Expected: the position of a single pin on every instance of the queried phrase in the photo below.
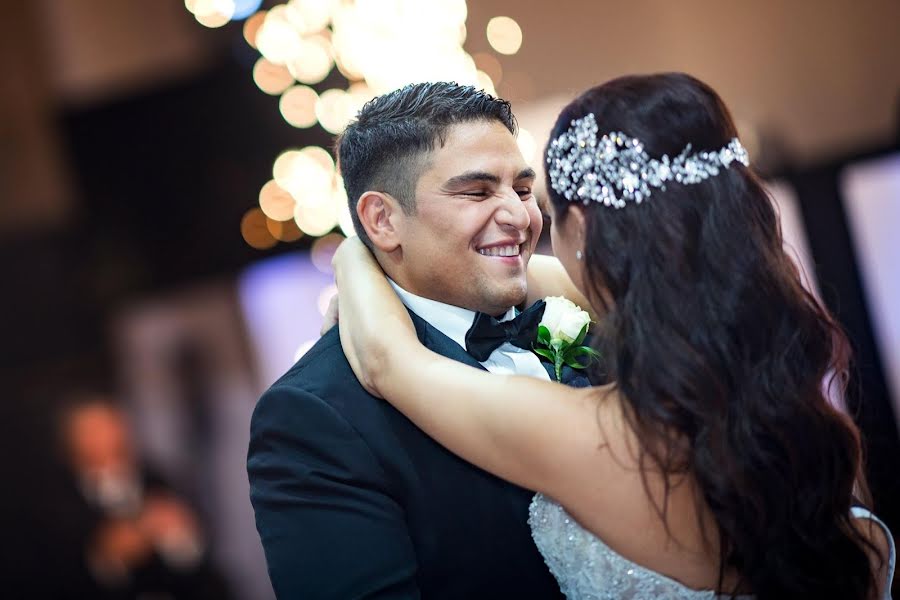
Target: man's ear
(380, 215)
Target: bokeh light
(255, 231)
(504, 35)
(307, 174)
(271, 78)
(276, 202)
(334, 109)
(316, 220)
(284, 231)
(313, 62)
(369, 42)
(345, 220)
(277, 39)
(211, 13)
(245, 8)
(251, 27)
(298, 106)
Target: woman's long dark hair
(721, 354)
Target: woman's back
(612, 541)
(623, 507)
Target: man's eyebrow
(526, 174)
(484, 177)
(471, 177)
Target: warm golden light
(271, 78)
(251, 27)
(277, 39)
(254, 230)
(276, 202)
(334, 110)
(211, 13)
(485, 83)
(298, 106)
(379, 46)
(339, 196)
(504, 35)
(316, 220)
(314, 61)
(311, 16)
(284, 231)
(308, 175)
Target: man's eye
(524, 192)
(475, 194)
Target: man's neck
(453, 321)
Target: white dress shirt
(454, 322)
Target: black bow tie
(487, 333)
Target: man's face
(476, 222)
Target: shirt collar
(452, 321)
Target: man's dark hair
(386, 147)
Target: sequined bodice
(588, 569)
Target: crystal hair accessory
(614, 169)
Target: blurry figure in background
(141, 537)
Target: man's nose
(512, 212)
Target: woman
(713, 463)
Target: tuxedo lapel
(436, 341)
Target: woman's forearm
(373, 317)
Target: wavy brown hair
(720, 352)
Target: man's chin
(512, 296)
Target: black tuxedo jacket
(354, 501)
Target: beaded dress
(588, 569)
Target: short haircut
(386, 148)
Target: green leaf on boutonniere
(545, 353)
(554, 342)
(573, 362)
(581, 335)
(585, 350)
(544, 335)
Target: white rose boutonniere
(560, 334)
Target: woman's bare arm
(537, 434)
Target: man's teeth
(500, 251)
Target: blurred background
(169, 203)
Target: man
(351, 499)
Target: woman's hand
(375, 328)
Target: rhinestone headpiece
(615, 169)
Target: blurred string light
(377, 46)
(504, 35)
(215, 13)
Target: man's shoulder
(322, 371)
